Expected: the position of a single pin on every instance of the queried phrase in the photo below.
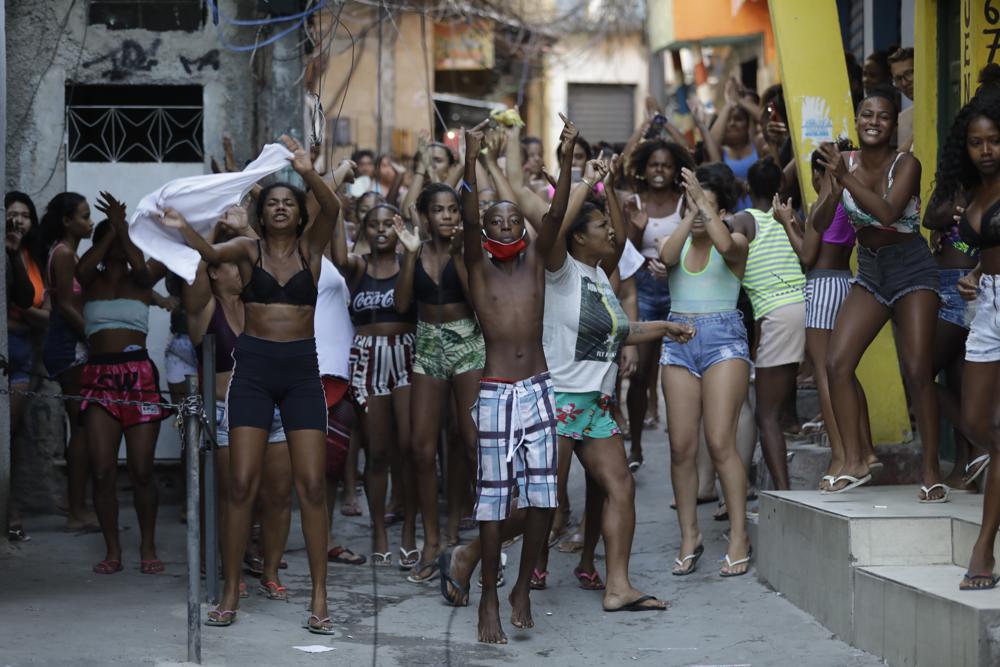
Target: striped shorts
(516, 423)
(826, 290)
(379, 364)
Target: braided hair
(955, 171)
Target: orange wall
(707, 19)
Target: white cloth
(334, 331)
(584, 328)
(202, 200)
(630, 261)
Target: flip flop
(407, 559)
(382, 559)
(589, 582)
(973, 475)
(244, 591)
(500, 575)
(223, 618)
(444, 566)
(854, 482)
(572, 545)
(731, 563)
(876, 467)
(974, 581)
(320, 627)
(926, 490)
(274, 591)
(693, 557)
(829, 482)
(108, 567)
(633, 466)
(537, 581)
(337, 555)
(415, 571)
(636, 605)
(152, 566)
(350, 509)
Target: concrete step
(916, 615)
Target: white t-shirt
(334, 331)
(630, 261)
(584, 328)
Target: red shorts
(339, 421)
(126, 376)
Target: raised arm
(145, 275)
(317, 232)
(86, 268)
(404, 283)
(615, 211)
(472, 225)
(671, 247)
(785, 214)
(594, 171)
(553, 220)
(887, 209)
(712, 147)
(233, 250)
(732, 247)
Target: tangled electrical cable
(299, 20)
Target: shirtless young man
(515, 414)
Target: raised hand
(409, 239)
(783, 212)
(611, 177)
(111, 207)
(568, 135)
(474, 140)
(637, 216)
(172, 219)
(832, 160)
(350, 174)
(301, 162)
(236, 219)
(456, 245)
(695, 194)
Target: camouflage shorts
(449, 348)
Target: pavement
(55, 611)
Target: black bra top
(429, 292)
(989, 229)
(299, 290)
(374, 301)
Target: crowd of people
(474, 311)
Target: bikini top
(909, 221)
(429, 292)
(988, 235)
(225, 340)
(263, 287)
(374, 301)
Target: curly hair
(718, 178)
(955, 171)
(642, 153)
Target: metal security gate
(603, 112)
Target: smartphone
(638, 201)
(656, 125)
(576, 175)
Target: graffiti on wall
(127, 59)
(192, 65)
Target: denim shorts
(653, 294)
(275, 434)
(983, 344)
(893, 271)
(954, 308)
(717, 337)
(19, 358)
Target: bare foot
(87, 521)
(520, 613)
(490, 631)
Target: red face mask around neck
(505, 252)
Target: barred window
(158, 15)
(134, 123)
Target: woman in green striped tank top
(707, 377)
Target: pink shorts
(126, 376)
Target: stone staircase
(882, 571)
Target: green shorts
(585, 415)
(449, 348)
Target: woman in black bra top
(381, 362)
(970, 162)
(449, 360)
(276, 364)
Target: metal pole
(5, 439)
(192, 443)
(211, 513)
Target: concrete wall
(579, 59)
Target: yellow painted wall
(817, 96)
(980, 26)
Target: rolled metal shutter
(602, 112)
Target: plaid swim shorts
(516, 422)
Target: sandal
(978, 582)
(500, 575)
(351, 509)
(273, 590)
(108, 567)
(589, 582)
(345, 556)
(537, 580)
(975, 469)
(244, 591)
(927, 490)
(694, 557)
(255, 565)
(407, 559)
(152, 566)
(730, 564)
(431, 568)
(828, 480)
(852, 483)
(382, 559)
(572, 545)
(221, 618)
(638, 605)
(461, 596)
(319, 626)
(17, 535)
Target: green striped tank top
(773, 277)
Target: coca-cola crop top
(374, 301)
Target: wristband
(464, 185)
(590, 186)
